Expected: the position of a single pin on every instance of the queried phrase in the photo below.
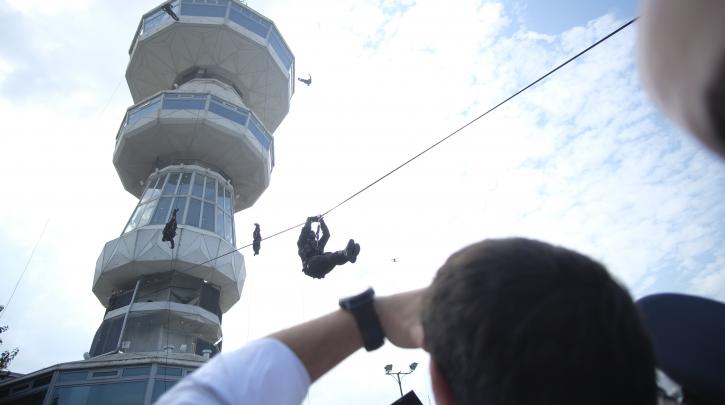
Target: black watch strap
(362, 308)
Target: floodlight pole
(398, 378)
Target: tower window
(202, 201)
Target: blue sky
(555, 16)
(583, 160)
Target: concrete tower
(211, 81)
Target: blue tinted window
(171, 183)
(210, 190)
(134, 218)
(192, 217)
(220, 195)
(227, 200)
(200, 200)
(207, 217)
(145, 110)
(204, 10)
(198, 188)
(136, 371)
(228, 112)
(185, 184)
(228, 234)
(110, 373)
(152, 22)
(249, 20)
(256, 128)
(163, 211)
(154, 189)
(161, 386)
(280, 48)
(179, 204)
(184, 102)
(132, 392)
(170, 371)
(146, 216)
(219, 222)
(72, 376)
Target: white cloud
(710, 282)
(48, 8)
(5, 69)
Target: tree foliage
(8, 355)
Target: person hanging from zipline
(257, 242)
(315, 261)
(169, 232)
(307, 81)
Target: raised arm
(325, 230)
(305, 230)
(323, 343)
(275, 370)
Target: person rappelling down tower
(169, 232)
(256, 239)
(316, 263)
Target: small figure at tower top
(307, 81)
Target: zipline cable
(113, 94)
(625, 25)
(509, 98)
(243, 247)
(27, 264)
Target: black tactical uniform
(316, 263)
(257, 242)
(169, 232)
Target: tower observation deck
(211, 81)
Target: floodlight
(388, 368)
(413, 366)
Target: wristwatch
(362, 309)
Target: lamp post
(398, 375)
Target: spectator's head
(682, 61)
(522, 322)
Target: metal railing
(168, 100)
(229, 11)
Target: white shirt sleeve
(265, 371)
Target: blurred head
(517, 321)
(682, 63)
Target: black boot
(352, 250)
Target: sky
(583, 160)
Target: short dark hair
(522, 322)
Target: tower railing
(228, 10)
(170, 100)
